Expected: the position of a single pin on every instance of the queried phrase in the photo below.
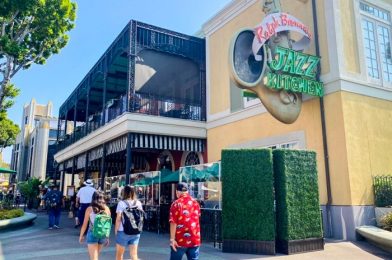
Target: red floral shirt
(185, 212)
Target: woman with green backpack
(98, 214)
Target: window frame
(376, 21)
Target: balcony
(140, 104)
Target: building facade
(140, 108)
(32, 154)
(349, 127)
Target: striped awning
(167, 142)
(68, 164)
(117, 145)
(81, 161)
(95, 153)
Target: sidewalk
(37, 242)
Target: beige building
(353, 38)
(32, 154)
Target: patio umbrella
(4, 170)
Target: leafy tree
(30, 32)
(30, 190)
(8, 133)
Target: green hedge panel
(296, 193)
(247, 195)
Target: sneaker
(50, 228)
(56, 227)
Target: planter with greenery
(382, 197)
(11, 213)
(298, 217)
(248, 218)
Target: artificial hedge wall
(247, 195)
(296, 193)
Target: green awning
(4, 170)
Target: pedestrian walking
(84, 198)
(98, 215)
(54, 201)
(129, 223)
(184, 225)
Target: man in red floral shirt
(184, 225)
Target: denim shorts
(91, 239)
(126, 240)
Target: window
(53, 133)
(192, 159)
(26, 120)
(290, 145)
(376, 33)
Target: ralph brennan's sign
(269, 64)
(297, 72)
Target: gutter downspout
(323, 128)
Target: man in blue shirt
(54, 201)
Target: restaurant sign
(268, 62)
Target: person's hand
(174, 245)
(81, 239)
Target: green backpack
(102, 226)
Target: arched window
(192, 159)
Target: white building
(30, 157)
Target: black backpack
(132, 219)
(53, 200)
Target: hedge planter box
(299, 246)
(249, 247)
(298, 218)
(248, 217)
(380, 213)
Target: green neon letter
(278, 61)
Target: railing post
(128, 163)
(87, 110)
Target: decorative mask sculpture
(252, 52)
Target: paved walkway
(37, 242)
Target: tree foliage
(30, 190)
(8, 132)
(30, 32)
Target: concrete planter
(27, 219)
(380, 212)
(299, 246)
(249, 247)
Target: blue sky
(97, 25)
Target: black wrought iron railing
(145, 104)
(160, 106)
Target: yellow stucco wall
(219, 45)
(337, 151)
(350, 44)
(264, 125)
(368, 127)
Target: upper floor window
(290, 145)
(376, 33)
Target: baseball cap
(182, 186)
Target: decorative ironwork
(135, 37)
